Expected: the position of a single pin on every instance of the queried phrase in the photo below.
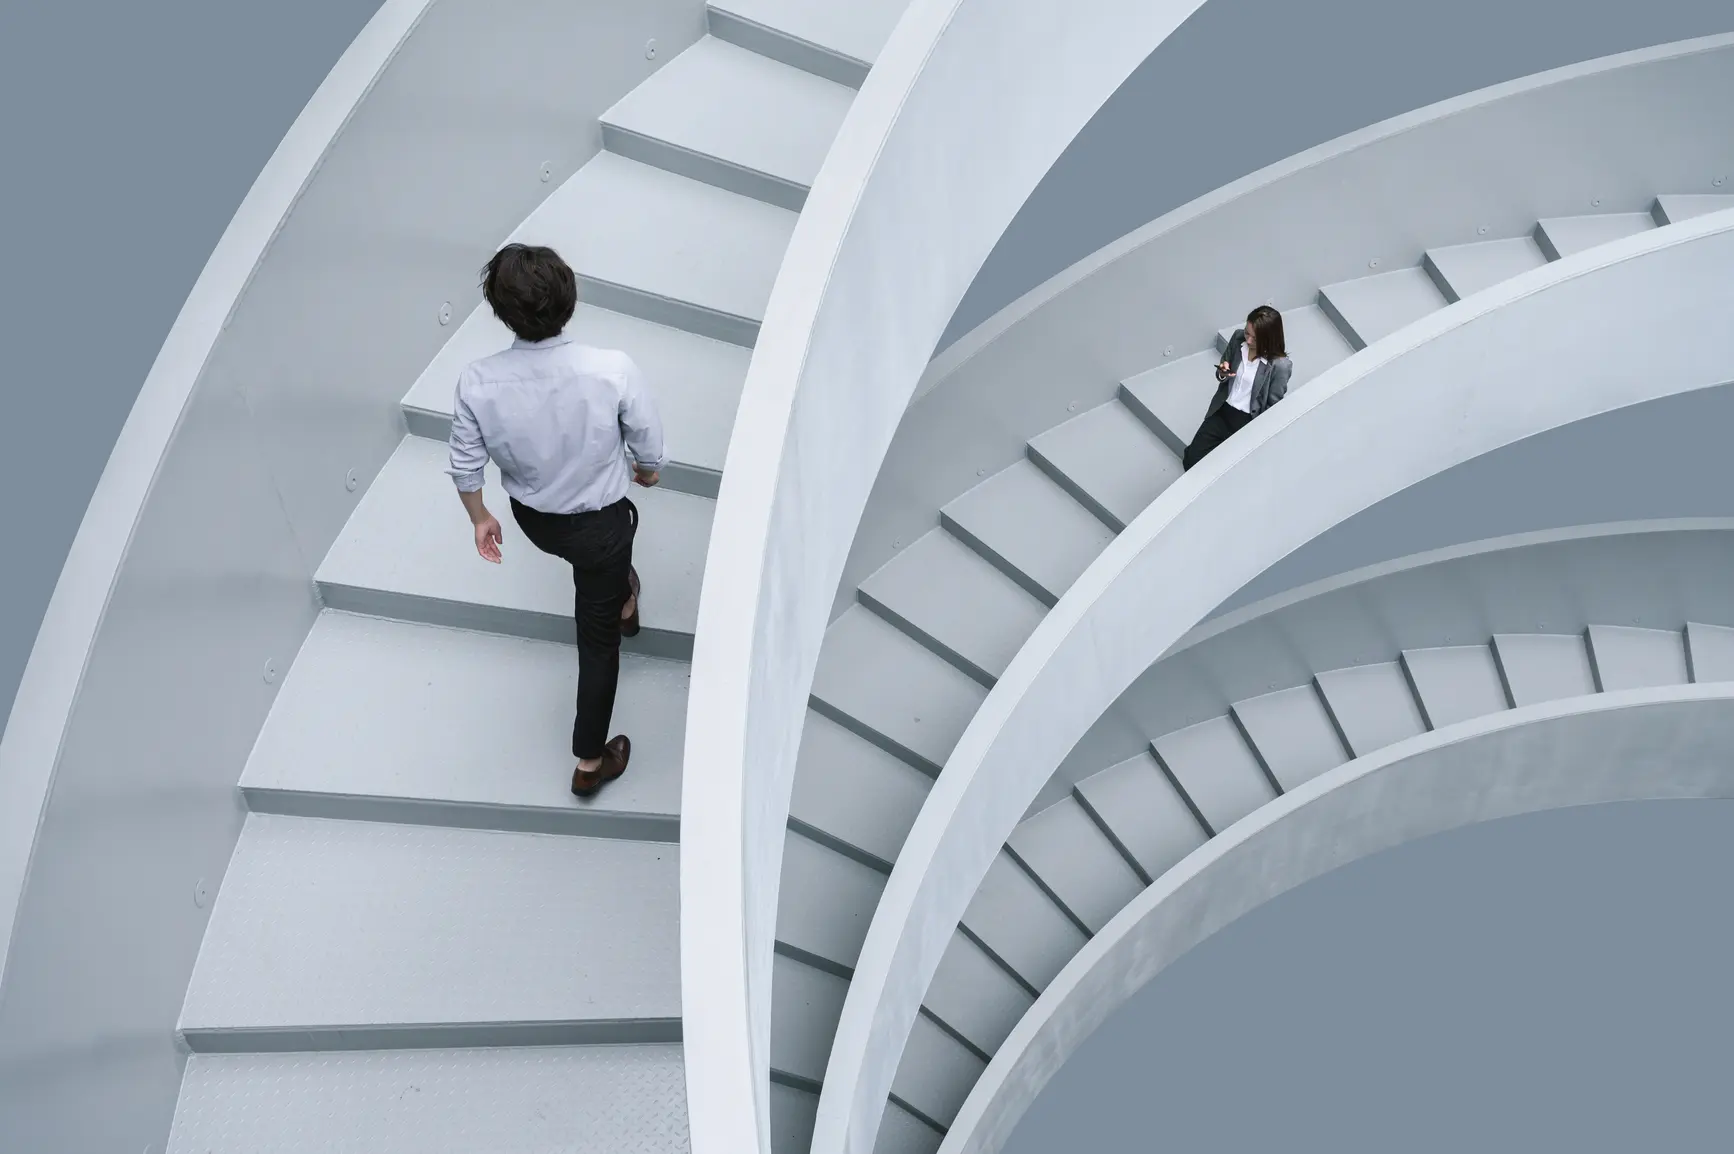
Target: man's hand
(488, 538)
(645, 477)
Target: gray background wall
(129, 147)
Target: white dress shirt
(557, 417)
(1240, 396)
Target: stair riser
(432, 1036)
(786, 49)
(710, 170)
(459, 815)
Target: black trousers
(598, 545)
(1217, 428)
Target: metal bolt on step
(1719, 182)
(547, 172)
(446, 313)
(1482, 231)
(351, 481)
(981, 472)
(1169, 351)
(270, 673)
(1596, 202)
(650, 50)
(1374, 263)
(1072, 408)
(201, 898)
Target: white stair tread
(825, 904)
(793, 1115)
(1469, 268)
(409, 540)
(1683, 207)
(805, 1006)
(353, 924)
(1314, 342)
(1216, 768)
(462, 721)
(854, 792)
(1376, 306)
(1076, 861)
(1541, 667)
(1027, 525)
(1109, 460)
(943, 592)
(900, 695)
(936, 1072)
(1372, 704)
(1632, 658)
(695, 381)
(1573, 234)
(722, 101)
(576, 1099)
(1174, 395)
(1712, 652)
(1293, 733)
(857, 29)
(664, 235)
(1456, 683)
(1148, 817)
(1014, 919)
(974, 996)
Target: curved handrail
(1674, 742)
(969, 103)
(31, 742)
(1454, 385)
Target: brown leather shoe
(615, 755)
(629, 625)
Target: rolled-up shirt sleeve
(640, 424)
(469, 455)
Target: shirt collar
(563, 339)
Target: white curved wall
(1501, 158)
(192, 571)
(1452, 386)
(1632, 745)
(966, 107)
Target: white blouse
(1240, 396)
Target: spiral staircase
(424, 943)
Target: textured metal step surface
(1541, 667)
(1314, 342)
(1625, 657)
(1146, 815)
(1462, 270)
(1563, 236)
(902, 1133)
(824, 905)
(408, 552)
(1076, 863)
(935, 1074)
(450, 727)
(1372, 706)
(877, 681)
(805, 1005)
(1455, 683)
(852, 795)
(974, 995)
(946, 596)
(1028, 527)
(695, 382)
(734, 118)
(1215, 768)
(1677, 208)
(1170, 398)
(1109, 462)
(627, 1099)
(362, 935)
(1292, 733)
(665, 248)
(1712, 651)
(1020, 926)
(1371, 307)
(839, 41)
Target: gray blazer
(1268, 387)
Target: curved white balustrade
(969, 103)
(1675, 742)
(1450, 387)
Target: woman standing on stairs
(557, 418)
(1252, 377)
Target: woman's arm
(1279, 375)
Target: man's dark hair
(1265, 324)
(531, 290)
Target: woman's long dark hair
(1265, 325)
